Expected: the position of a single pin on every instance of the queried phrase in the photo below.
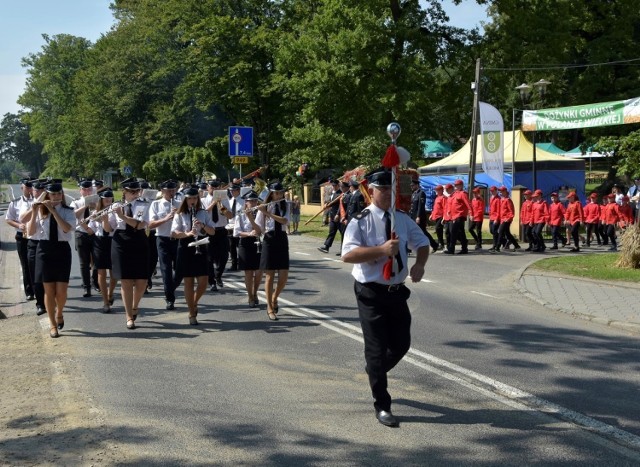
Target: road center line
(483, 294)
(496, 390)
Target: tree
(15, 145)
(50, 97)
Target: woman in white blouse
(247, 229)
(101, 226)
(192, 223)
(53, 223)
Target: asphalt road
(492, 378)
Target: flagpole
(474, 128)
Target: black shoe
(31, 297)
(219, 283)
(463, 252)
(478, 247)
(554, 247)
(448, 252)
(387, 418)
(170, 306)
(96, 287)
(234, 267)
(323, 249)
(575, 249)
(213, 288)
(528, 249)
(41, 311)
(87, 292)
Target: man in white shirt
(382, 303)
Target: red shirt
(438, 208)
(603, 213)
(611, 214)
(525, 212)
(494, 208)
(626, 213)
(592, 213)
(507, 211)
(540, 212)
(574, 212)
(556, 213)
(477, 205)
(459, 205)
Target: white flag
(492, 131)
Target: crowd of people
(192, 233)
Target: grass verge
(597, 266)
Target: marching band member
(191, 223)
(130, 248)
(54, 221)
(247, 229)
(98, 186)
(475, 229)
(592, 218)
(161, 215)
(507, 213)
(17, 207)
(557, 213)
(437, 215)
(237, 204)
(84, 234)
(525, 218)
(574, 216)
(151, 238)
(459, 210)
(539, 217)
(275, 246)
(382, 303)
(218, 248)
(32, 247)
(494, 217)
(102, 249)
(611, 219)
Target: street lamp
(525, 93)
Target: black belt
(167, 237)
(218, 229)
(391, 288)
(78, 232)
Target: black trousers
(334, 228)
(153, 252)
(575, 234)
(538, 236)
(458, 234)
(611, 234)
(233, 248)
(593, 227)
(168, 254)
(386, 328)
(504, 232)
(475, 229)
(527, 235)
(218, 251)
(440, 231)
(21, 247)
(84, 247)
(556, 235)
(494, 229)
(38, 288)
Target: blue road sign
(126, 170)
(240, 141)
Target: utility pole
(474, 127)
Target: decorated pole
(390, 161)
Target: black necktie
(233, 208)
(214, 213)
(130, 214)
(86, 213)
(277, 225)
(387, 225)
(53, 228)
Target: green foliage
(16, 145)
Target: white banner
(492, 131)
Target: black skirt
(275, 251)
(191, 261)
(248, 255)
(102, 252)
(53, 261)
(130, 255)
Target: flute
(95, 215)
(255, 208)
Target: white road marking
(483, 294)
(426, 280)
(494, 389)
(302, 253)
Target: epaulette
(362, 214)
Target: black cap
(276, 186)
(334, 181)
(85, 184)
(379, 177)
(214, 183)
(234, 186)
(54, 187)
(98, 183)
(40, 184)
(145, 185)
(202, 186)
(250, 196)
(191, 191)
(169, 184)
(130, 184)
(354, 183)
(106, 193)
(27, 182)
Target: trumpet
(96, 215)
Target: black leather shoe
(41, 311)
(31, 297)
(170, 305)
(87, 292)
(323, 249)
(213, 288)
(219, 283)
(387, 418)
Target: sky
(23, 23)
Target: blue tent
(435, 148)
(553, 172)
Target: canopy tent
(588, 154)
(435, 148)
(550, 147)
(553, 172)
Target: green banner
(583, 116)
